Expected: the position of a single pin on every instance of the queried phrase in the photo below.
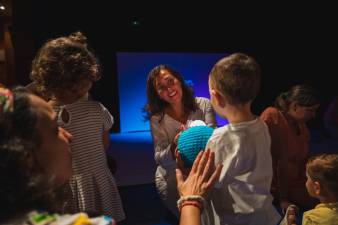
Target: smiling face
(168, 87)
(53, 155)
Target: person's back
(87, 122)
(242, 194)
(64, 69)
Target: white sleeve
(209, 116)
(162, 145)
(108, 119)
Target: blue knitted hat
(192, 141)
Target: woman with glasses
(170, 107)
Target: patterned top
(93, 186)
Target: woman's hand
(173, 147)
(202, 176)
(180, 164)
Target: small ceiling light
(135, 23)
(2, 7)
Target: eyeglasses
(169, 83)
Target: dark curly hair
(62, 62)
(155, 105)
(22, 189)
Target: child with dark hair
(35, 163)
(64, 70)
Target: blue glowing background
(133, 69)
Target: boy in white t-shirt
(242, 193)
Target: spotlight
(2, 7)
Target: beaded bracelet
(193, 203)
(196, 198)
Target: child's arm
(106, 139)
(108, 122)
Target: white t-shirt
(242, 193)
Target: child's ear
(318, 189)
(219, 98)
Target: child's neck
(55, 101)
(326, 200)
(238, 114)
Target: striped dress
(93, 186)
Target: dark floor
(143, 206)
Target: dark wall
(292, 44)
